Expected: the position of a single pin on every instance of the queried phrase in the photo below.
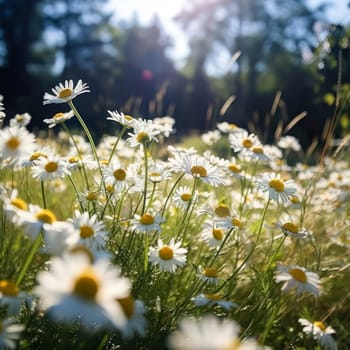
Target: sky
(145, 10)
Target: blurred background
(249, 62)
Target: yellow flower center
(210, 272)
(294, 199)
(51, 167)
(73, 160)
(258, 150)
(186, 197)
(128, 117)
(142, 137)
(36, 156)
(58, 116)
(91, 196)
(236, 222)
(119, 174)
(222, 211)
(235, 344)
(86, 231)
(13, 143)
(19, 203)
(86, 285)
(46, 216)
(289, 226)
(110, 188)
(218, 233)
(128, 306)
(147, 219)
(232, 126)
(8, 288)
(64, 93)
(166, 253)
(19, 117)
(155, 174)
(213, 297)
(277, 184)
(198, 171)
(298, 275)
(320, 325)
(234, 168)
(247, 143)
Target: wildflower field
(139, 242)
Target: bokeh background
(249, 62)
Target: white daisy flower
(199, 168)
(134, 311)
(243, 141)
(74, 289)
(211, 137)
(21, 120)
(121, 118)
(10, 333)
(90, 230)
(289, 142)
(146, 223)
(168, 256)
(35, 219)
(59, 118)
(320, 332)
(213, 234)
(11, 297)
(277, 188)
(166, 125)
(213, 300)
(65, 92)
(208, 274)
(291, 229)
(14, 205)
(50, 168)
(298, 278)
(16, 142)
(209, 333)
(39, 152)
(117, 175)
(183, 196)
(228, 128)
(144, 131)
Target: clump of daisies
(134, 242)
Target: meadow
(217, 242)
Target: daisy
(124, 120)
(65, 93)
(50, 168)
(183, 196)
(146, 223)
(59, 118)
(199, 168)
(296, 277)
(39, 152)
(209, 333)
(320, 332)
(116, 174)
(213, 300)
(168, 256)
(134, 311)
(166, 125)
(10, 333)
(90, 230)
(11, 297)
(21, 119)
(243, 141)
(213, 234)
(144, 131)
(277, 188)
(291, 229)
(228, 128)
(289, 142)
(211, 137)
(16, 142)
(209, 275)
(76, 290)
(14, 205)
(36, 219)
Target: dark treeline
(283, 52)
